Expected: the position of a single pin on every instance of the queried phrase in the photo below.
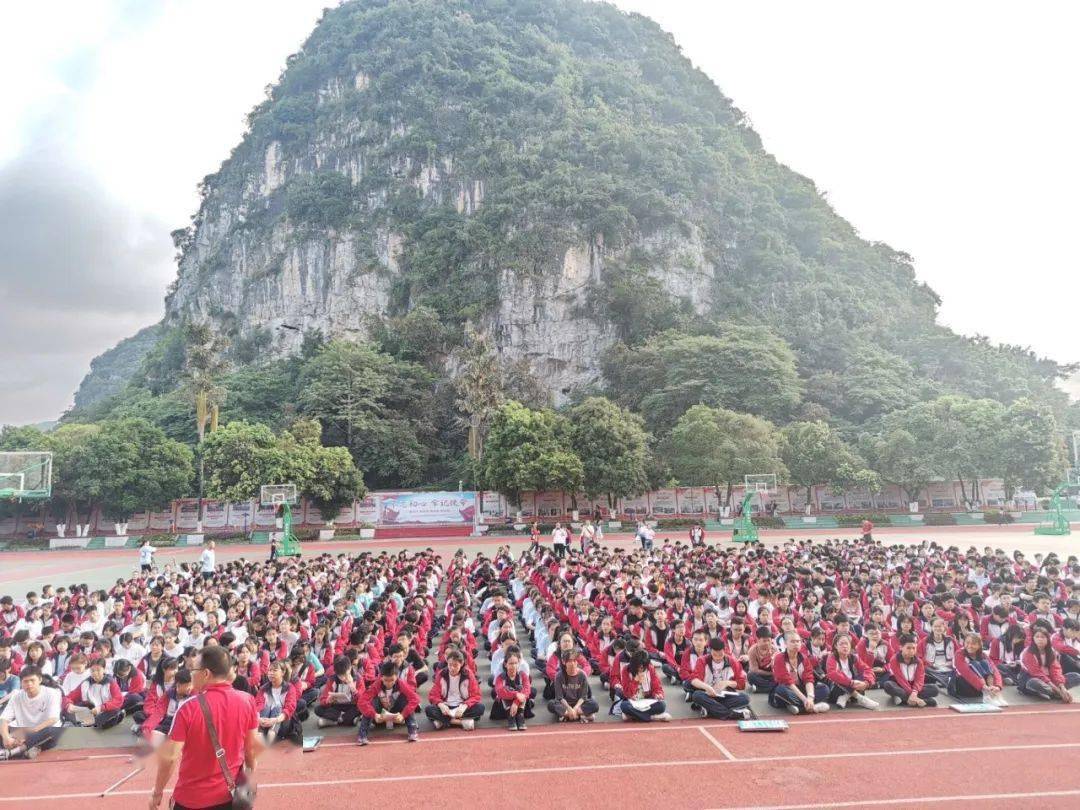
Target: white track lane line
(647, 728)
(716, 743)
(427, 777)
(974, 797)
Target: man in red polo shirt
(200, 784)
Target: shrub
(768, 522)
(853, 521)
(939, 519)
(997, 516)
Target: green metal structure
(290, 545)
(746, 531)
(1058, 525)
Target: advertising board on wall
(417, 508)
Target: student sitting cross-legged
(276, 704)
(573, 698)
(906, 684)
(1040, 670)
(97, 701)
(389, 701)
(718, 682)
(454, 699)
(642, 690)
(337, 699)
(30, 721)
(795, 689)
(975, 676)
(848, 676)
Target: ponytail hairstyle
(165, 665)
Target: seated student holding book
(391, 700)
(642, 690)
(718, 681)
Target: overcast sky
(948, 130)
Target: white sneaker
(324, 723)
(626, 718)
(663, 717)
(866, 702)
(793, 709)
(468, 724)
(822, 707)
(438, 724)
(842, 701)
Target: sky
(948, 130)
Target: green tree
(525, 451)
(718, 448)
(613, 447)
(326, 475)
(814, 453)
(743, 367)
(24, 437)
(902, 454)
(130, 465)
(1030, 447)
(378, 407)
(242, 456)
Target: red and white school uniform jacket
(727, 670)
(369, 703)
(786, 675)
(844, 672)
(133, 685)
(928, 648)
(1000, 653)
(632, 689)
(1054, 619)
(878, 657)
(467, 684)
(334, 686)
(1063, 646)
(506, 691)
(688, 662)
(1034, 668)
(991, 630)
(105, 695)
(289, 696)
(964, 670)
(554, 662)
(909, 675)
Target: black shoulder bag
(240, 789)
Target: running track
(1024, 757)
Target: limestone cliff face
(256, 282)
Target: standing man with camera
(216, 740)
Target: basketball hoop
(278, 494)
(26, 475)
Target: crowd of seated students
(351, 639)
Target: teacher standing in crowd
(217, 711)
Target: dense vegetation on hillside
(583, 124)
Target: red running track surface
(1024, 757)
